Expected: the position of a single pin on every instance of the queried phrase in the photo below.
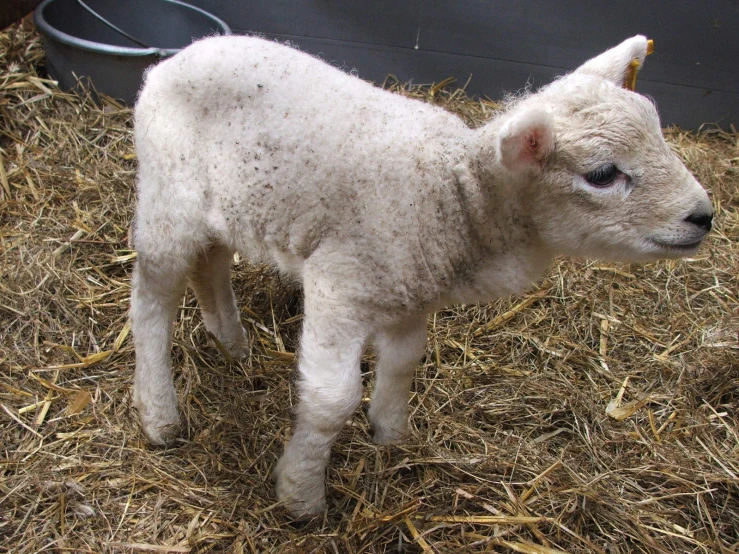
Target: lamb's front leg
(398, 350)
(330, 391)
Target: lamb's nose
(701, 220)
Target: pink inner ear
(527, 140)
(537, 144)
(534, 140)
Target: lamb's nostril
(701, 220)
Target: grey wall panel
(691, 107)
(688, 107)
(694, 73)
(388, 22)
(427, 67)
(697, 43)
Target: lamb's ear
(619, 64)
(526, 140)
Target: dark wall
(502, 45)
(13, 10)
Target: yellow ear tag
(630, 78)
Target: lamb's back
(289, 151)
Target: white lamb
(385, 208)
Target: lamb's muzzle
(384, 208)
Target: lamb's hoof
(388, 437)
(396, 432)
(303, 509)
(239, 350)
(303, 501)
(161, 423)
(159, 431)
(235, 345)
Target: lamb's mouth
(678, 246)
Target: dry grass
(598, 414)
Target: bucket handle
(111, 25)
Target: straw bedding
(597, 413)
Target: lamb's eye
(603, 176)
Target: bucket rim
(52, 32)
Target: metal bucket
(112, 42)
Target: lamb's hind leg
(156, 291)
(399, 350)
(211, 281)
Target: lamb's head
(597, 173)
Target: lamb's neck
(510, 254)
(498, 203)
